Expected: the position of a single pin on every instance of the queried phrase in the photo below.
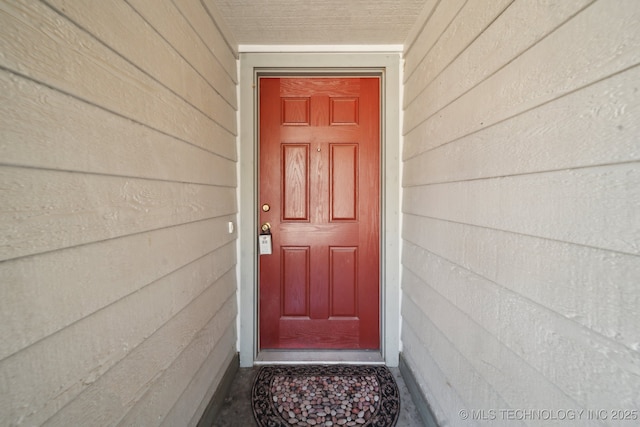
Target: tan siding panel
(30, 304)
(38, 43)
(584, 206)
(506, 38)
(563, 352)
(487, 357)
(520, 198)
(128, 380)
(133, 35)
(205, 382)
(217, 339)
(438, 22)
(479, 359)
(600, 125)
(118, 183)
(210, 26)
(543, 74)
(547, 272)
(51, 210)
(431, 380)
(421, 21)
(471, 21)
(435, 384)
(44, 128)
(164, 16)
(459, 374)
(102, 340)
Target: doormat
(325, 395)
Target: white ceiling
(319, 22)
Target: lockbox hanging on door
(264, 239)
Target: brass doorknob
(266, 227)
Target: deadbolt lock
(266, 207)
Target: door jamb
(387, 65)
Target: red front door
(319, 190)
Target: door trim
(386, 65)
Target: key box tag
(264, 241)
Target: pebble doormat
(319, 395)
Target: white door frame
(388, 66)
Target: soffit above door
(324, 22)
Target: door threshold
(326, 357)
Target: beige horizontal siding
(494, 46)
(469, 22)
(588, 206)
(541, 74)
(439, 20)
(53, 210)
(32, 309)
(118, 176)
(47, 129)
(220, 41)
(547, 272)
(599, 126)
(169, 21)
(50, 49)
(521, 206)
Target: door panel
(344, 182)
(319, 173)
(295, 182)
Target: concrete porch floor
(236, 410)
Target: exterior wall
(521, 224)
(118, 179)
